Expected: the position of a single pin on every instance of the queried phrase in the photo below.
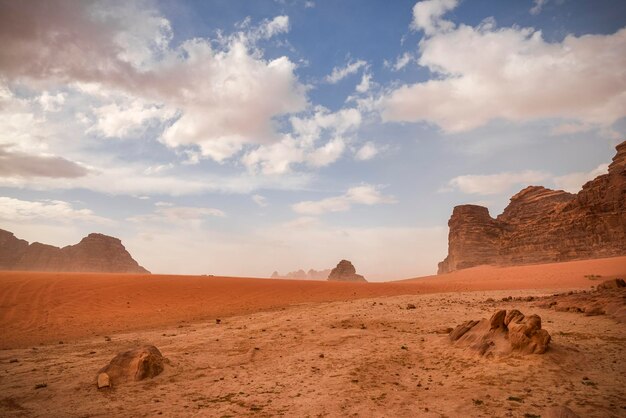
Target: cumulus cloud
(226, 94)
(16, 210)
(573, 182)
(120, 120)
(339, 73)
(520, 76)
(19, 164)
(360, 195)
(302, 147)
(495, 183)
(367, 152)
(51, 102)
(427, 15)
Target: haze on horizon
(238, 138)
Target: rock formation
(504, 333)
(609, 299)
(542, 226)
(94, 253)
(345, 272)
(301, 274)
(138, 364)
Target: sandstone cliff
(541, 225)
(94, 253)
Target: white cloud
(402, 61)
(261, 201)
(427, 15)
(495, 183)
(303, 148)
(178, 215)
(115, 120)
(339, 73)
(224, 91)
(327, 154)
(537, 6)
(16, 210)
(366, 152)
(519, 76)
(276, 26)
(360, 195)
(51, 103)
(573, 182)
(364, 85)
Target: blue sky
(239, 138)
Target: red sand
(40, 308)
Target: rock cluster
(312, 274)
(138, 364)
(94, 253)
(345, 272)
(504, 333)
(609, 299)
(541, 225)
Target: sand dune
(367, 357)
(45, 308)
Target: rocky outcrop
(541, 225)
(505, 333)
(94, 253)
(608, 299)
(312, 274)
(345, 272)
(138, 364)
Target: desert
(306, 348)
(313, 208)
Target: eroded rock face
(138, 364)
(541, 225)
(94, 253)
(345, 272)
(502, 334)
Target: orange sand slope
(48, 307)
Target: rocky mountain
(304, 275)
(94, 253)
(345, 272)
(541, 225)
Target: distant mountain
(304, 275)
(94, 253)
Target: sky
(239, 138)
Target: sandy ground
(368, 357)
(38, 308)
(296, 348)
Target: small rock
(411, 306)
(104, 381)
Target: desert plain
(305, 348)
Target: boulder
(345, 272)
(138, 364)
(543, 226)
(502, 334)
